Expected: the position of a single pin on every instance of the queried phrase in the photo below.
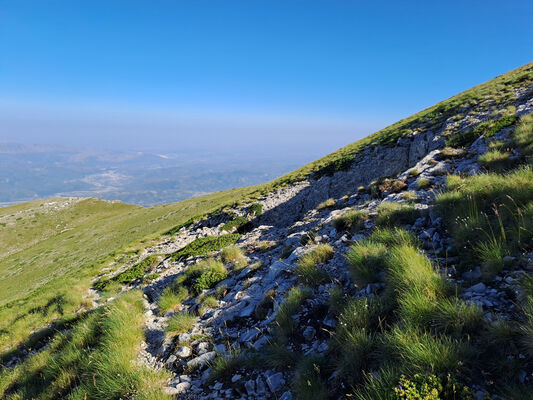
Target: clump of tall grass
(95, 360)
(225, 365)
(171, 298)
(366, 261)
(458, 318)
(180, 323)
(396, 214)
(496, 160)
(307, 269)
(394, 237)
(523, 135)
(415, 284)
(351, 220)
(423, 183)
(329, 203)
(421, 352)
(489, 215)
(235, 256)
(276, 355)
(208, 302)
(309, 383)
(288, 308)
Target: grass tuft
(396, 214)
(366, 261)
(351, 221)
(307, 269)
(180, 323)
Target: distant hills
(29, 172)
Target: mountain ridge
(214, 311)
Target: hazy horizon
(231, 81)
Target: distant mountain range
(29, 172)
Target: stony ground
(273, 251)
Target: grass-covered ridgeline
(96, 359)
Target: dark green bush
(177, 228)
(133, 273)
(240, 224)
(256, 209)
(207, 280)
(342, 164)
(489, 128)
(203, 246)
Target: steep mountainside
(397, 267)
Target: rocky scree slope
(269, 324)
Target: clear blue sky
(167, 72)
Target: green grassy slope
(47, 259)
(49, 256)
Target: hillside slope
(285, 314)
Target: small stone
(184, 337)
(309, 333)
(260, 384)
(236, 378)
(286, 396)
(171, 360)
(183, 352)
(183, 387)
(323, 347)
(479, 287)
(250, 387)
(202, 348)
(217, 386)
(202, 360)
(275, 382)
(247, 311)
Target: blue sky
(143, 74)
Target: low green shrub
(238, 224)
(488, 129)
(205, 245)
(177, 228)
(132, 274)
(256, 209)
(340, 164)
(431, 387)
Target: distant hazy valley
(29, 172)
